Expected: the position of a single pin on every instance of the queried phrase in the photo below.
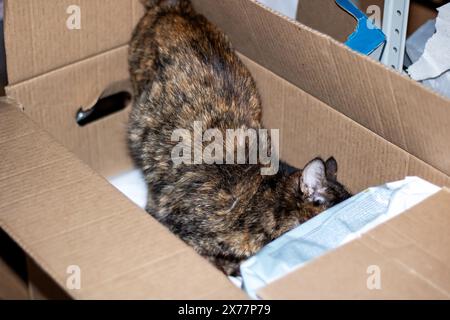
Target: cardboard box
(325, 99)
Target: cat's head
(317, 185)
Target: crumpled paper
(431, 58)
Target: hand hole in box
(103, 108)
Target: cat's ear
(331, 168)
(313, 177)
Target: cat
(183, 69)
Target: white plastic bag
(331, 229)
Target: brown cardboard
(45, 42)
(316, 14)
(410, 250)
(326, 17)
(41, 286)
(61, 212)
(53, 99)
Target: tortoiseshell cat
(183, 69)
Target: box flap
(310, 128)
(388, 103)
(405, 258)
(38, 40)
(13, 275)
(63, 214)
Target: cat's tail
(175, 4)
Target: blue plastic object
(367, 37)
